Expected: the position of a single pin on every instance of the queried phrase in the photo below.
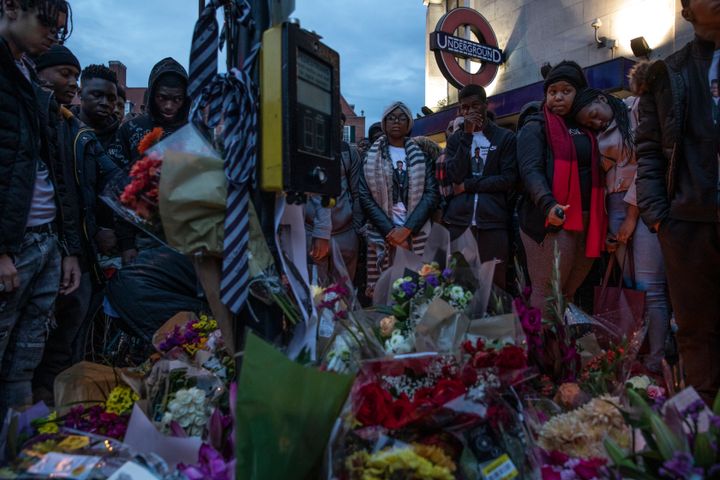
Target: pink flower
(655, 392)
(549, 473)
(210, 466)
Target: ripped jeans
(25, 317)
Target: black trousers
(492, 243)
(691, 251)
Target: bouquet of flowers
(426, 416)
(141, 194)
(137, 201)
(109, 419)
(681, 438)
(345, 336)
(197, 334)
(580, 433)
(428, 302)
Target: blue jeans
(25, 317)
(649, 277)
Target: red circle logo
(448, 48)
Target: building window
(349, 133)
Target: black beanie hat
(584, 98)
(57, 55)
(569, 72)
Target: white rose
(185, 421)
(640, 382)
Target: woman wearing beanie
(564, 195)
(611, 118)
(397, 205)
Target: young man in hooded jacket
(168, 108)
(678, 188)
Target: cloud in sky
(381, 42)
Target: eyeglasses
(398, 119)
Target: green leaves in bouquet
(285, 413)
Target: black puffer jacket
(493, 188)
(123, 150)
(677, 174)
(23, 143)
(422, 212)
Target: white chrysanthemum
(399, 344)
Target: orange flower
(150, 139)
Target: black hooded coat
(123, 150)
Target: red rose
(400, 414)
(424, 397)
(498, 416)
(372, 404)
(548, 473)
(484, 359)
(468, 376)
(447, 390)
(589, 469)
(511, 358)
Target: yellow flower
(50, 426)
(395, 463)
(435, 455)
(121, 400)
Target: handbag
(620, 308)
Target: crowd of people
(584, 172)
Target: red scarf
(566, 184)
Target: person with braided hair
(38, 238)
(612, 120)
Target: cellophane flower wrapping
(345, 335)
(136, 199)
(426, 416)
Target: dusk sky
(381, 43)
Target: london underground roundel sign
(448, 48)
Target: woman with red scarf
(564, 198)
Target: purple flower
(531, 321)
(432, 280)
(447, 273)
(210, 466)
(693, 410)
(408, 288)
(680, 466)
(715, 421)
